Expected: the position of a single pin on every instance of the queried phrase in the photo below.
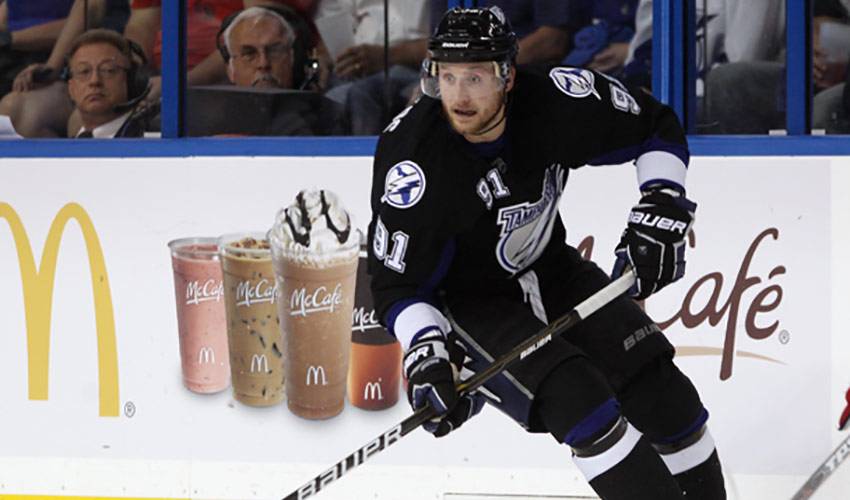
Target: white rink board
(774, 403)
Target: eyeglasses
(250, 54)
(106, 70)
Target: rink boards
(758, 322)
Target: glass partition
(830, 53)
(740, 85)
(66, 70)
(243, 68)
(297, 67)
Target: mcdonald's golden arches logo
(38, 302)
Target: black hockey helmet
(470, 35)
(473, 35)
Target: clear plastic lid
(251, 245)
(197, 248)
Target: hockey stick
(824, 471)
(422, 415)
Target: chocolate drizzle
(301, 238)
(341, 235)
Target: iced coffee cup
(315, 249)
(250, 293)
(375, 362)
(201, 325)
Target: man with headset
(260, 49)
(106, 83)
(269, 47)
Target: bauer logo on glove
(651, 220)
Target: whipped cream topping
(316, 225)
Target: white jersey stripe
(691, 456)
(415, 318)
(598, 464)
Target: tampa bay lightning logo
(575, 82)
(527, 227)
(404, 185)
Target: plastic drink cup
(250, 293)
(315, 307)
(315, 265)
(201, 324)
(374, 373)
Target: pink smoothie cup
(201, 323)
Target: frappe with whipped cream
(314, 253)
(250, 294)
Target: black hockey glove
(467, 407)
(429, 372)
(431, 365)
(653, 243)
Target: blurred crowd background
(91, 68)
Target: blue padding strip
(188, 147)
(598, 420)
(699, 145)
(697, 425)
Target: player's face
(473, 99)
(261, 55)
(98, 80)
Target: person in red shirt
(203, 20)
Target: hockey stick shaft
(824, 471)
(422, 415)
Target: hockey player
(468, 258)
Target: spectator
(360, 87)
(204, 19)
(44, 111)
(41, 22)
(268, 48)
(106, 81)
(110, 14)
(739, 59)
(38, 111)
(747, 95)
(543, 27)
(745, 71)
(602, 44)
(637, 68)
(260, 50)
(830, 70)
(30, 28)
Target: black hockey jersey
(444, 218)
